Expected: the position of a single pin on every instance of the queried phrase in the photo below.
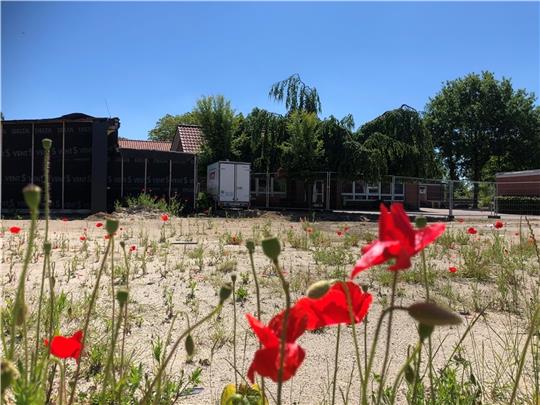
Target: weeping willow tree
(297, 95)
(396, 143)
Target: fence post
(392, 185)
(267, 189)
(451, 200)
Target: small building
(518, 192)
(520, 183)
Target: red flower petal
(266, 362)
(332, 308)
(164, 217)
(472, 231)
(66, 347)
(14, 230)
(99, 224)
(452, 269)
(498, 224)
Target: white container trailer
(229, 183)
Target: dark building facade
(89, 169)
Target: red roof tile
(144, 145)
(188, 138)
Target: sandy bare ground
(172, 280)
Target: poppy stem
(258, 295)
(124, 331)
(336, 365)
(355, 338)
(430, 346)
(234, 330)
(285, 286)
(164, 364)
(110, 357)
(388, 337)
(410, 358)
(19, 308)
(91, 304)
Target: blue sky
(148, 59)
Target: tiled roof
(188, 138)
(144, 145)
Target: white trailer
(229, 183)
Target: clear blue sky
(149, 59)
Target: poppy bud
(233, 278)
(430, 313)
(122, 244)
(271, 248)
(122, 295)
(225, 292)
(111, 225)
(318, 289)
(8, 373)
(250, 245)
(190, 345)
(21, 310)
(425, 331)
(420, 222)
(409, 374)
(47, 143)
(32, 196)
(47, 247)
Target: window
(423, 189)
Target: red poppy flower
(397, 240)
(346, 229)
(132, 248)
(14, 230)
(330, 309)
(107, 237)
(472, 231)
(498, 224)
(339, 233)
(309, 230)
(66, 347)
(82, 238)
(461, 220)
(99, 224)
(64, 219)
(452, 269)
(266, 361)
(164, 217)
(517, 233)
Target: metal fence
(326, 190)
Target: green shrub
(519, 205)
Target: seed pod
(111, 225)
(21, 310)
(318, 289)
(122, 295)
(250, 245)
(271, 248)
(47, 143)
(425, 331)
(430, 313)
(8, 374)
(32, 196)
(122, 244)
(47, 247)
(409, 374)
(225, 292)
(420, 222)
(190, 345)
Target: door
(318, 193)
(226, 182)
(242, 183)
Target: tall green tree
(481, 125)
(166, 126)
(217, 120)
(337, 137)
(260, 139)
(297, 95)
(303, 153)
